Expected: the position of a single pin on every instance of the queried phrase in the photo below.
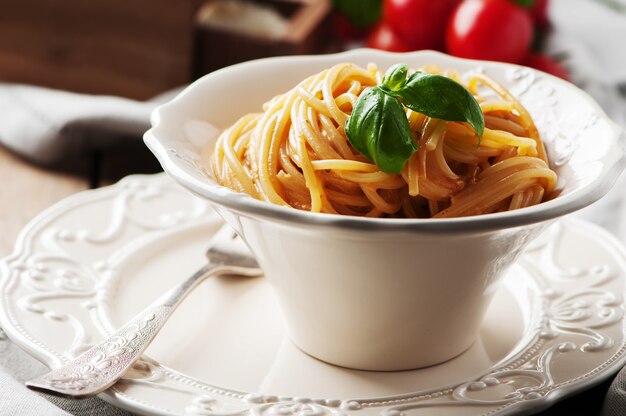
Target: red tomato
(383, 37)
(539, 13)
(495, 30)
(421, 23)
(346, 30)
(546, 64)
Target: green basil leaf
(395, 77)
(378, 129)
(361, 13)
(440, 97)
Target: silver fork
(104, 364)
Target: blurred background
(140, 48)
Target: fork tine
(228, 248)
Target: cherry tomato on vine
(495, 30)
(383, 37)
(421, 23)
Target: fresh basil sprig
(378, 127)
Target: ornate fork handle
(104, 364)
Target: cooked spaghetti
(296, 153)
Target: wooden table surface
(27, 189)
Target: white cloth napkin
(49, 127)
(15, 399)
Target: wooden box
(309, 31)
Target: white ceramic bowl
(385, 294)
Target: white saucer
(89, 263)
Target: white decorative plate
(555, 327)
